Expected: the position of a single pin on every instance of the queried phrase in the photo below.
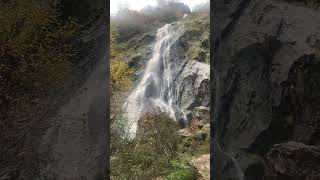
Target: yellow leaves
(120, 76)
(120, 72)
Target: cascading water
(156, 91)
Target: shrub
(149, 154)
(120, 76)
(182, 171)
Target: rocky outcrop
(195, 140)
(192, 78)
(201, 115)
(202, 164)
(293, 161)
(267, 75)
(193, 83)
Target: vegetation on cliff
(196, 30)
(36, 55)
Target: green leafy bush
(182, 171)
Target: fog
(137, 5)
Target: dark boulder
(293, 161)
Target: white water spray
(156, 91)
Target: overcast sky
(139, 4)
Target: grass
(182, 170)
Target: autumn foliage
(35, 59)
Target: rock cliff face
(67, 143)
(267, 70)
(192, 78)
(70, 142)
(194, 82)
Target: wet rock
(202, 164)
(180, 117)
(188, 115)
(192, 78)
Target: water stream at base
(156, 91)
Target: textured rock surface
(202, 164)
(193, 83)
(201, 115)
(294, 161)
(70, 143)
(192, 78)
(267, 75)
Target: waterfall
(156, 91)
